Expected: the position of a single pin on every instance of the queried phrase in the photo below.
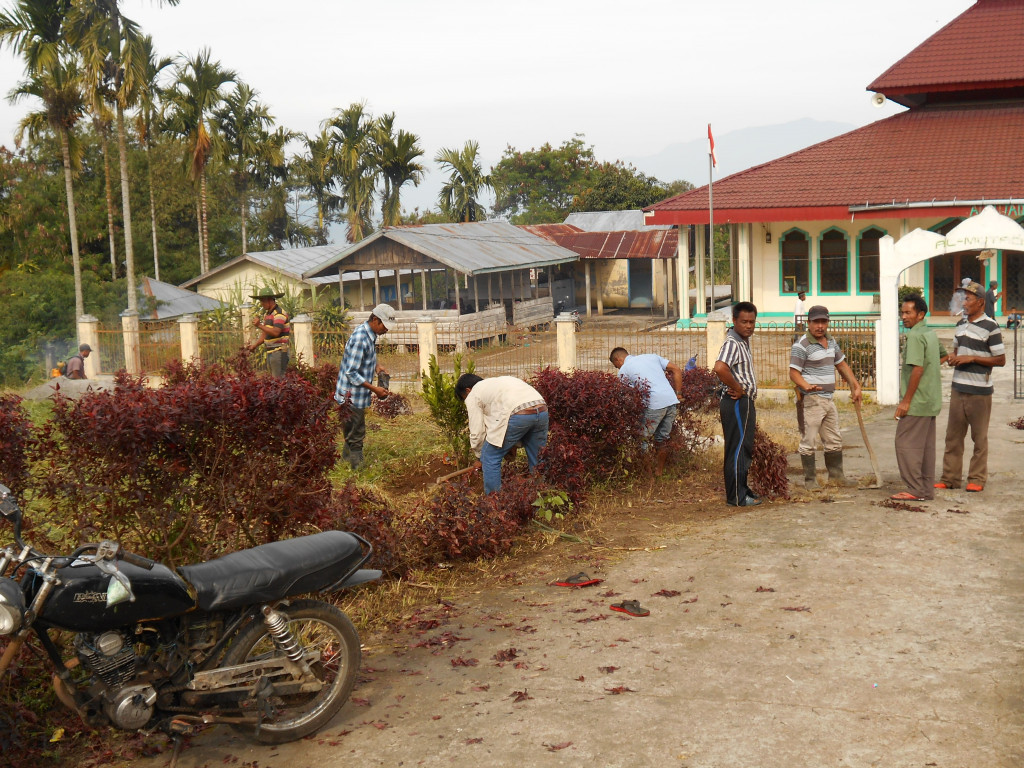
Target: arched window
(867, 260)
(834, 254)
(796, 261)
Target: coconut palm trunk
(152, 213)
(69, 188)
(205, 265)
(245, 217)
(129, 249)
(105, 144)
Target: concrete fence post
(426, 334)
(302, 339)
(248, 331)
(132, 355)
(715, 334)
(188, 329)
(88, 333)
(566, 335)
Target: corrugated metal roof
(653, 243)
(173, 301)
(610, 221)
(472, 248)
(292, 262)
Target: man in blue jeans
(502, 411)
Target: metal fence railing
(110, 338)
(771, 344)
(217, 345)
(1018, 364)
(159, 343)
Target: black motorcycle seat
(273, 571)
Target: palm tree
(149, 93)
(242, 122)
(59, 86)
(316, 170)
(194, 96)
(466, 180)
(35, 30)
(395, 156)
(111, 45)
(357, 171)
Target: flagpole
(711, 223)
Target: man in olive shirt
(921, 386)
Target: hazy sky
(632, 77)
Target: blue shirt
(357, 366)
(650, 369)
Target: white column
(700, 257)
(887, 330)
(130, 326)
(715, 335)
(188, 330)
(88, 333)
(586, 273)
(248, 331)
(743, 291)
(566, 341)
(683, 271)
(302, 339)
(426, 332)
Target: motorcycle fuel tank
(79, 603)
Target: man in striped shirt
(977, 349)
(735, 369)
(813, 363)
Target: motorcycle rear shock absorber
(277, 625)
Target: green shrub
(447, 410)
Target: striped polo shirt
(976, 338)
(817, 363)
(736, 354)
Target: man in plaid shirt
(355, 378)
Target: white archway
(989, 230)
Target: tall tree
(357, 170)
(195, 95)
(396, 157)
(241, 138)
(538, 186)
(316, 170)
(619, 187)
(145, 117)
(58, 85)
(460, 196)
(35, 31)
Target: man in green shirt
(921, 386)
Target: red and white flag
(711, 147)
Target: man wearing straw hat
(274, 330)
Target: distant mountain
(736, 150)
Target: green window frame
(833, 262)
(794, 262)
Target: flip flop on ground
(906, 496)
(579, 580)
(632, 607)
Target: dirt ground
(827, 630)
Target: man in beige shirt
(502, 411)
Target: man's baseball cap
(385, 313)
(817, 312)
(975, 289)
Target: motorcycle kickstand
(179, 742)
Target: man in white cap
(355, 378)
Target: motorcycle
(224, 641)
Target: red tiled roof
(949, 153)
(633, 244)
(981, 49)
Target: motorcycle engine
(110, 656)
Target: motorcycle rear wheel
(317, 626)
